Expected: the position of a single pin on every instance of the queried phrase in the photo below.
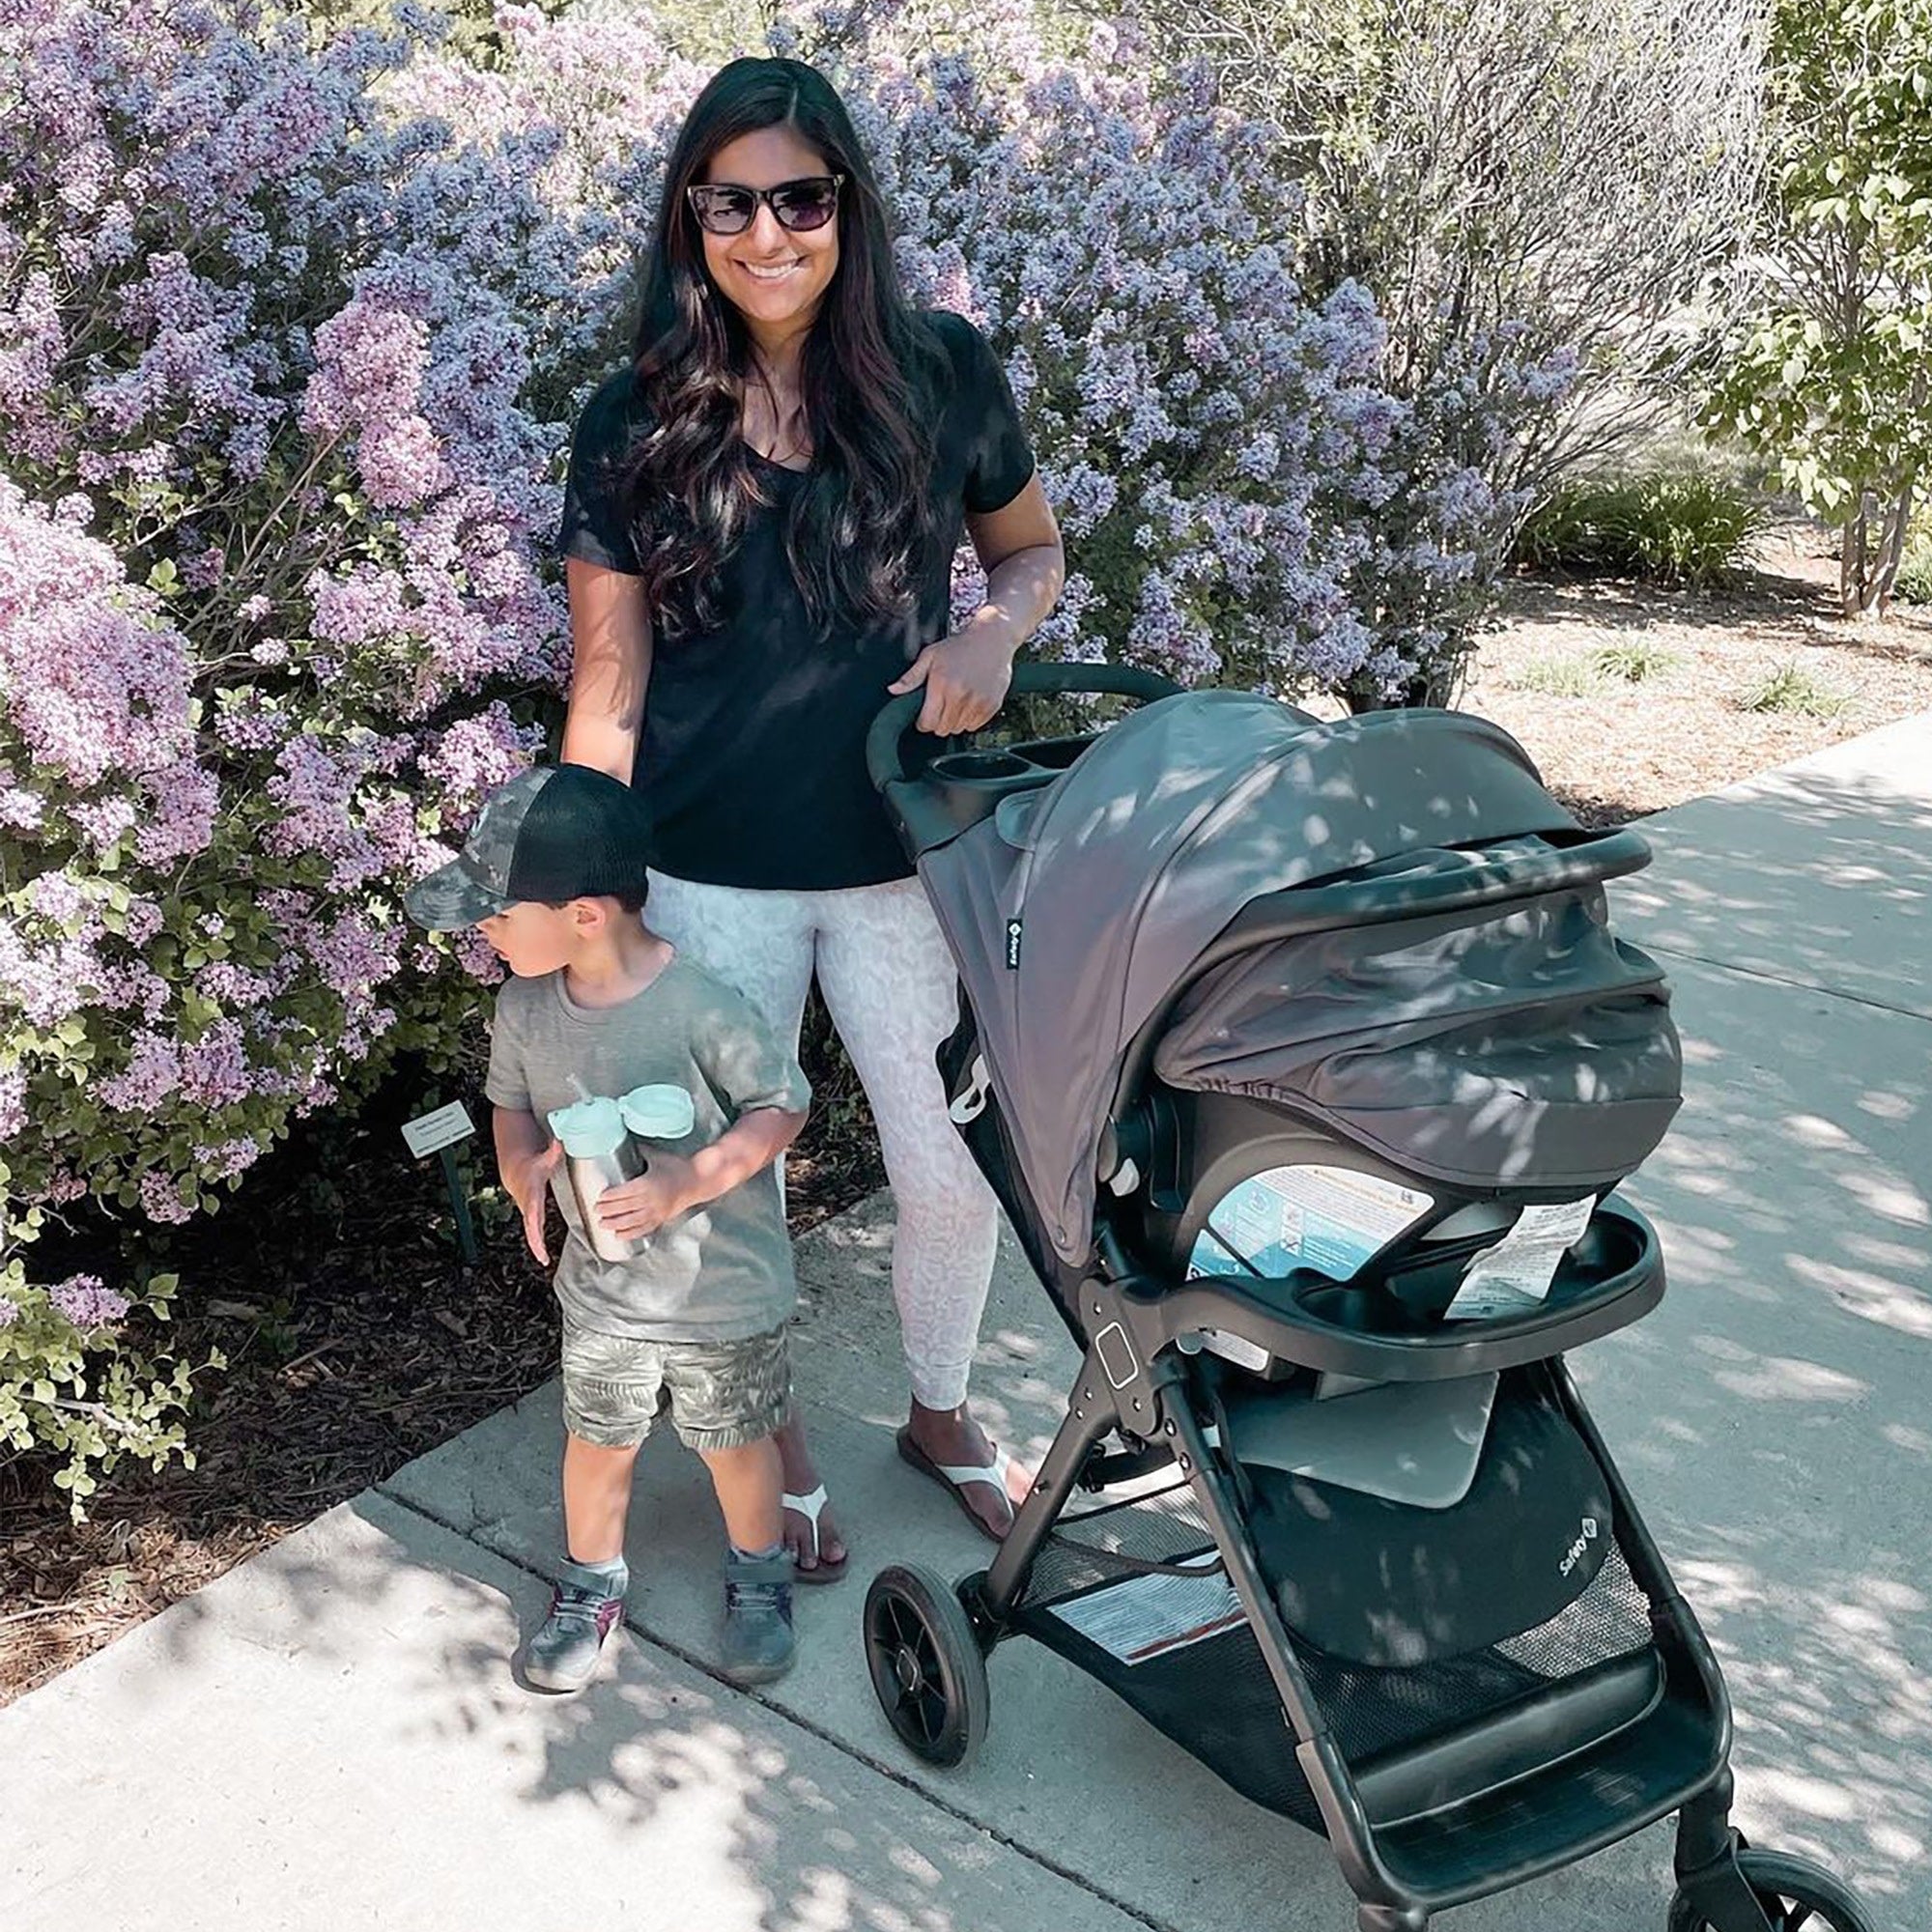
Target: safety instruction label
(1516, 1273)
(1328, 1218)
(1144, 1617)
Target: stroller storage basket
(1214, 1695)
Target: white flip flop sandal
(811, 1507)
(954, 1476)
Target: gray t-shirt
(720, 1272)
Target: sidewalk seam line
(1779, 979)
(905, 1782)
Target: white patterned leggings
(891, 991)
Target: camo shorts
(722, 1395)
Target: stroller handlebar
(884, 742)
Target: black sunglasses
(724, 207)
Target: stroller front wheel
(926, 1665)
(1791, 1891)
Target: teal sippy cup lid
(661, 1113)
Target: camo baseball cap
(554, 834)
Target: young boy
(553, 876)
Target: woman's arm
(966, 675)
(610, 668)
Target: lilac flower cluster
(1244, 497)
(96, 681)
(13, 1102)
(87, 1301)
(1426, 539)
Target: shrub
(1913, 584)
(1584, 175)
(1687, 529)
(270, 621)
(73, 1385)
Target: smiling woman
(771, 270)
(763, 510)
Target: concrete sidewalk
(328, 1735)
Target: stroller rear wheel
(1794, 1894)
(926, 1665)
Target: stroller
(1305, 1066)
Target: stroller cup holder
(976, 767)
(957, 789)
(936, 788)
(1035, 760)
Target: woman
(759, 526)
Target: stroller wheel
(1794, 1896)
(926, 1665)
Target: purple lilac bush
(291, 337)
(277, 450)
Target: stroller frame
(1134, 1381)
(1499, 1799)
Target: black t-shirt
(752, 747)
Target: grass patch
(1914, 584)
(1560, 677)
(1687, 529)
(1634, 659)
(1797, 693)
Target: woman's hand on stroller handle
(883, 759)
(963, 679)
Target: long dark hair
(858, 527)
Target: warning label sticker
(1515, 1273)
(1145, 1617)
(1329, 1218)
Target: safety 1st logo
(1574, 1555)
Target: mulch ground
(356, 1341)
(1617, 748)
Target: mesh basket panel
(1154, 1533)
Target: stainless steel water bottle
(598, 1156)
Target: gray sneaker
(564, 1651)
(758, 1640)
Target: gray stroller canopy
(1077, 909)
